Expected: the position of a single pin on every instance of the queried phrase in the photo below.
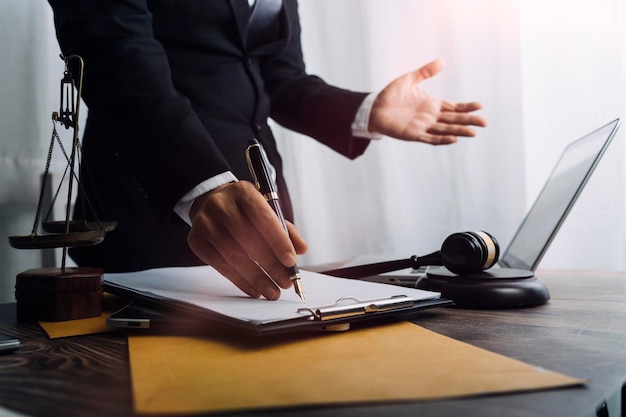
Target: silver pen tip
(298, 287)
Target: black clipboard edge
(306, 323)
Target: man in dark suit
(175, 90)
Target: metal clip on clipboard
(359, 308)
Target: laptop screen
(556, 199)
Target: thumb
(428, 70)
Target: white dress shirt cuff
(183, 207)
(362, 119)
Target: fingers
(236, 231)
(454, 118)
(232, 261)
(254, 286)
(467, 107)
(458, 121)
(435, 138)
(446, 129)
(442, 129)
(458, 113)
(457, 124)
(264, 226)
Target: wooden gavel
(461, 253)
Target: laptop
(545, 217)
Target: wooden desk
(580, 332)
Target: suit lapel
(241, 11)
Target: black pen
(258, 166)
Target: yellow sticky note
(76, 327)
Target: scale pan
(78, 226)
(57, 240)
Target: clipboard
(201, 293)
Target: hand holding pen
(234, 230)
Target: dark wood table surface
(580, 332)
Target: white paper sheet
(203, 286)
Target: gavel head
(468, 252)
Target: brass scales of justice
(62, 293)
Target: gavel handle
(362, 271)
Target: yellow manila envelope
(400, 361)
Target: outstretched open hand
(402, 110)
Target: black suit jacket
(174, 95)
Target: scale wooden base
(55, 294)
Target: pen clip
(258, 165)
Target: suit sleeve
(305, 103)
(128, 89)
